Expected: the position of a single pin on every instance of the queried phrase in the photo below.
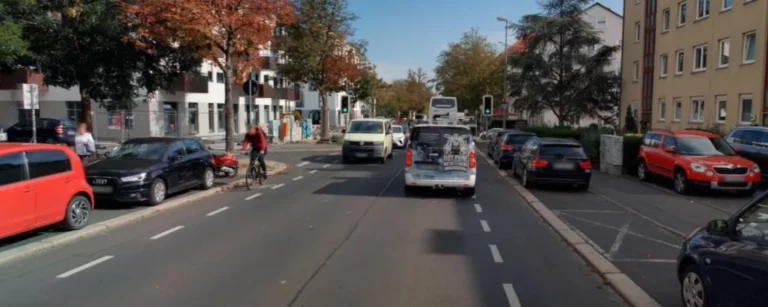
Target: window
(662, 109)
(668, 142)
(727, 4)
(176, 151)
(12, 169)
(637, 31)
(679, 62)
(652, 140)
(210, 117)
(700, 58)
(635, 71)
(720, 102)
(47, 162)
(220, 113)
(682, 12)
(697, 109)
(220, 77)
(601, 24)
(702, 8)
(745, 105)
(753, 223)
(677, 112)
(73, 110)
(210, 76)
(192, 114)
(725, 53)
(665, 21)
(750, 43)
(663, 64)
(192, 146)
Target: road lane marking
(217, 211)
(165, 233)
(511, 295)
(485, 226)
(474, 196)
(619, 239)
(327, 165)
(495, 253)
(278, 186)
(253, 196)
(302, 164)
(646, 260)
(313, 171)
(84, 267)
(617, 229)
(478, 208)
(297, 178)
(589, 211)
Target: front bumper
(419, 181)
(362, 151)
(726, 182)
(121, 192)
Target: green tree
(469, 69)
(560, 70)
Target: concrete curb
(620, 282)
(105, 226)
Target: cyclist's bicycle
(254, 174)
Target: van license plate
(563, 166)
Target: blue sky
(404, 34)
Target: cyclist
(258, 141)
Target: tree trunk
(325, 127)
(85, 107)
(228, 118)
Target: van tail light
(472, 160)
(408, 158)
(586, 164)
(59, 129)
(507, 147)
(539, 163)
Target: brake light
(472, 160)
(586, 164)
(507, 147)
(408, 158)
(59, 129)
(539, 163)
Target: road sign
(29, 97)
(251, 87)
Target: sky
(403, 34)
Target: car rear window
(397, 129)
(517, 139)
(438, 136)
(566, 151)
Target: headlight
(134, 178)
(755, 168)
(698, 167)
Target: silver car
(440, 157)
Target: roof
(557, 141)
(441, 125)
(165, 139)
(370, 120)
(4, 146)
(518, 132)
(605, 7)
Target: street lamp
(504, 81)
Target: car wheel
(513, 169)
(693, 292)
(78, 212)
(681, 182)
(207, 179)
(642, 171)
(409, 190)
(391, 155)
(157, 192)
(526, 183)
(468, 192)
(583, 187)
(344, 159)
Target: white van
(367, 138)
(441, 156)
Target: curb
(105, 226)
(620, 282)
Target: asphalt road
(325, 234)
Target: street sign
(251, 87)
(29, 97)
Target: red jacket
(257, 141)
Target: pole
(32, 103)
(504, 81)
(250, 100)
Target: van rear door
(442, 150)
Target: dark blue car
(504, 155)
(725, 263)
(752, 143)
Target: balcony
(267, 63)
(266, 91)
(190, 83)
(11, 80)
(292, 94)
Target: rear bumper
(578, 178)
(506, 158)
(411, 180)
(127, 192)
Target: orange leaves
(342, 66)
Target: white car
(440, 157)
(398, 136)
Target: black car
(752, 143)
(513, 141)
(552, 160)
(49, 130)
(148, 169)
(496, 141)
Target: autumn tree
(405, 96)
(319, 51)
(229, 33)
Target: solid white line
(297, 178)
(84, 267)
(619, 239)
(313, 171)
(164, 233)
(478, 208)
(485, 226)
(589, 211)
(617, 229)
(278, 186)
(253, 196)
(511, 295)
(495, 253)
(302, 164)
(327, 165)
(217, 211)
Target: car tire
(642, 171)
(513, 169)
(208, 177)
(409, 190)
(583, 187)
(749, 193)
(391, 155)
(344, 159)
(78, 213)
(693, 292)
(681, 183)
(157, 192)
(526, 183)
(468, 192)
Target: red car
(42, 185)
(694, 158)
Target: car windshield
(397, 129)
(439, 136)
(565, 151)
(514, 139)
(366, 127)
(700, 146)
(139, 151)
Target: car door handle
(26, 189)
(67, 180)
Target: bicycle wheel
(249, 178)
(259, 175)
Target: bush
(631, 149)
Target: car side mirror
(670, 149)
(718, 227)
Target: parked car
(486, 136)
(42, 185)
(367, 139)
(751, 143)
(694, 158)
(439, 157)
(3, 134)
(552, 160)
(725, 262)
(513, 141)
(148, 169)
(49, 130)
(496, 141)
(398, 136)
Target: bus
(443, 108)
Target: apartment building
(694, 63)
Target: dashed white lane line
(253, 196)
(474, 196)
(327, 165)
(313, 171)
(495, 253)
(478, 208)
(511, 295)
(84, 267)
(302, 164)
(278, 186)
(297, 178)
(217, 211)
(485, 226)
(165, 233)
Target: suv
(441, 156)
(696, 158)
(552, 161)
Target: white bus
(443, 108)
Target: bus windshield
(442, 108)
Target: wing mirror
(718, 227)
(670, 149)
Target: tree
(560, 69)
(229, 33)
(470, 69)
(319, 51)
(417, 92)
(365, 86)
(14, 46)
(630, 124)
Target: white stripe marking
(478, 208)
(297, 178)
(217, 211)
(327, 165)
(278, 186)
(302, 164)
(619, 239)
(253, 196)
(165, 233)
(485, 226)
(84, 267)
(474, 196)
(313, 171)
(495, 253)
(511, 295)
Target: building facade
(694, 63)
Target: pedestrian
(85, 146)
(258, 141)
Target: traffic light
(487, 105)
(345, 104)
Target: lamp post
(504, 81)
